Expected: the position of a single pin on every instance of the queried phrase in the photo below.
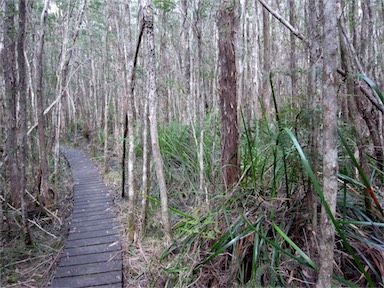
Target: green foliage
(165, 5)
(254, 234)
(179, 152)
(319, 191)
(204, 8)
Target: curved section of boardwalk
(92, 255)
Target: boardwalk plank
(88, 205)
(92, 209)
(101, 199)
(113, 277)
(91, 258)
(91, 217)
(90, 213)
(91, 234)
(92, 241)
(109, 220)
(92, 249)
(92, 268)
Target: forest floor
(34, 265)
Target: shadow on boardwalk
(92, 254)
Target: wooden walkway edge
(92, 254)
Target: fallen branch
(42, 229)
(45, 208)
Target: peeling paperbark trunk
(10, 84)
(314, 14)
(293, 60)
(199, 98)
(43, 163)
(16, 119)
(228, 96)
(22, 137)
(330, 166)
(107, 103)
(265, 96)
(148, 26)
(146, 169)
(129, 134)
(185, 61)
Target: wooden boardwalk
(92, 254)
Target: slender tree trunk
(199, 89)
(256, 63)
(146, 168)
(129, 133)
(265, 97)
(131, 181)
(293, 58)
(22, 137)
(10, 86)
(228, 95)
(330, 166)
(185, 61)
(148, 24)
(43, 163)
(314, 103)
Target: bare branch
(284, 22)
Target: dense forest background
(243, 139)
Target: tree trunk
(228, 95)
(330, 166)
(106, 130)
(43, 163)
(129, 133)
(265, 96)
(10, 91)
(148, 24)
(185, 61)
(146, 168)
(199, 98)
(293, 60)
(314, 31)
(22, 137)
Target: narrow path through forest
(92, 254)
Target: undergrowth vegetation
(34, 265)
(259, 234)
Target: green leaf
(294, 246)
(372, 85)
(326, 207)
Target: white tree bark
(148, 26)
(146, 168)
